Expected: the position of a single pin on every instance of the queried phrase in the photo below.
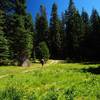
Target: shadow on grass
(90, 62)
(92, 70)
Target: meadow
(54, 81)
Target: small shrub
(11, 93)
(50, 95)
(69, 94)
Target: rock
(26, 63)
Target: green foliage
(15, 93)
(10, 93)
(6, 5)
(19, 30)
(50, 95)
(74, 31)
(95, 34)
(86, 31)
(41, 25)
(63, 36)
(55, 38)
(20, 7)
(21, 40)
(69, 94)
(4, 48)
(44, 51)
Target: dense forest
(72, 36)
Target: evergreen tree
(7, 5)
(68, 20)
(20, 33)
(4, 49)
(24, 41)
(86, 31)
(74, 31)
(86, 23)
(41, 25)
(18, 23)
(29, 26)
(63, 35)
(37, 29)
(20, 7)
(93, 43)
(78, 34)
(9, 8)
(55, 38)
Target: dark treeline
(74, 36)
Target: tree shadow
(90, 62)
(92, 70)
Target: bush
(43, 51)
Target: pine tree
(37, 29)
(4, 49)
(55, 38)
(68, 20)
(20, 7)
(93, 38)
(18, 30)
(9, 8)
(23, 40)
(85, 18)
(20, 33)
(63, 35)
(41, 25)
(78, 35)
(74, 31)
(29, 26)
(6, 5)
(41, 28)
(86, 31)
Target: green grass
(61, 81)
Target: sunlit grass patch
(60, 81)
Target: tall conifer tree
(4, 49)
(68, 20)
(74, 31)
(55, 37)
(94, 36)
(41, 25)
(20, 33)
(84, 43)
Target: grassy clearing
(59, 81)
